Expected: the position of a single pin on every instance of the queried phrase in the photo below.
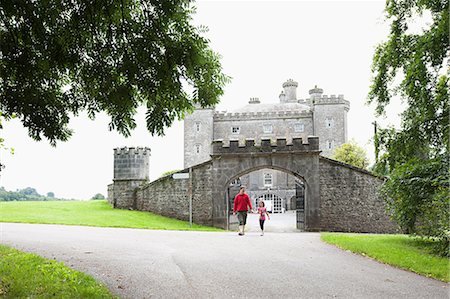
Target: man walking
(241, 206)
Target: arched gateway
(331, 196)
(298, 159)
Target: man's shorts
(242, 217)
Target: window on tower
(329, 122)
(197, 126)
(329, 144)
(267, 128)
(197, 148)
(299, 127)
(235, 130)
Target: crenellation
(265, 145)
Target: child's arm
(268, 217)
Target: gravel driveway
(137, 263)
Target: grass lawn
(89, 213)
(24, 275)
(413, 254)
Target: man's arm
(249, 203)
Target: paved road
(285, 222)
(136, 263)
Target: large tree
(60, 57)
(351, 153)
(411, 65)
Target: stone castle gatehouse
(332, 196)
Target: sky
(262, 43)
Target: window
(330, 144)
(299, 127)
(267, 180)
(198, 148)
(235, 130)
(236, 182)
(329, 122)
(267, 128)
(197, 126)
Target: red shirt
(241, 203)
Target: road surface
(137, 263)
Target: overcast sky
(262, 44)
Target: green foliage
(352, 154)
(169, 172)
(418, 198)
(98, 196)
(89, 213)
(415, 157)
(413, 254)
(27, 194)
(25, 275)
(58, 58)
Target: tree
(29, 191)
(98, 196)
(51, 195)
(58, 58)
(416, 156)
(352, 154)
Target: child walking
(262, 211)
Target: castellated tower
(330, 120)
(198, 136)
(131, 169)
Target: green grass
(89, 213)
(25, 275)
(413, 254)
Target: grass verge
(25, 275)
(89, 213)
(402, 251)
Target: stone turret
(290, 91)
(315, 93)
(330, 119)
(131, 169)
(198, 135)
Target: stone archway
(234, 160)
(231, 222)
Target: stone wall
(170, 197)
(349, 200)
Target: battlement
(332, 99)
(266, 146)
(223, 115)
(290, 82)
(132, 151)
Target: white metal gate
(273, 203)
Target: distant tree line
(27, 194)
